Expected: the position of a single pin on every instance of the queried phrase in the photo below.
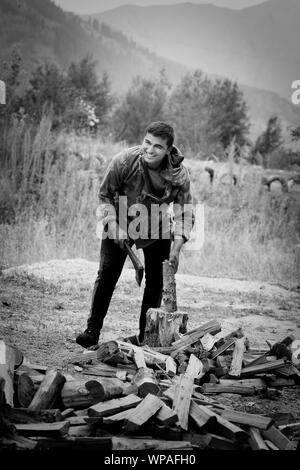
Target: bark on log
(162, 327)
(213, 327)
(75, 395)
(169, 287)
(48, 391)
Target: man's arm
(184, 219)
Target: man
(144, 179)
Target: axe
(139, 268)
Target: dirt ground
(43, 306)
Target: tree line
(208, 115)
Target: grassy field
(48, 199)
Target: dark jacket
(128, 175)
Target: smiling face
(155, 150)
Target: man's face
(155, 149)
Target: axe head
(139, 273)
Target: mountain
(41, 32)
(257, 46)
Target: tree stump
(164, 324)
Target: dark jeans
(112, 259)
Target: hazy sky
(94, 6)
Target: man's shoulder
(128, 154)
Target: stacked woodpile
(127, 397)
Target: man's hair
(162, 130)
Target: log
(171, 367)
(43, 429)
(207, 341)
(24, 389)
(152, 357)
(237, 358)
(146, 382)
(260, 368)
(230, 342)
(279, 439)
(169, 288)
(231, 336)
(105, 370)
(212, 441)
(257, 383)
(7, 365)
(182, 399)
(256, 441)
(195, 367)
(114, 406)
(17, 442)
(105, 387)
(77, 444)
(142, 413)
(201, 415)
(162, 327)
(27, 416)
(116, 418)
(75, 395)
(288, 429)
(213, 327)
(166, 416)
(131, 444)
(210, 388)
(248, 419)
(48, 391)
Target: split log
(166, 416)
(291, 428)
(162, 327)
(230, 342)
(171, 367)
(105, 370)
(195, 367)
(229, 430)
(107, 388)
(212, 441)
(80, 431)
(279, 439)
(260, 368)
(202, 415)
(207, 341)
(24, 389)
(114, 406)
(43, 429)
(142, 413)
(182, 399)
(270, 445)
(248, 419)
(123, 443)
(7, 365)
(233, 335)
(256, 441)
(237, 358)
(257, 383)
(210, 388)
(152, 357)
(116, 418)
(213, 327)
(48, 391)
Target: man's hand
(174, 254)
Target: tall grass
(48, 198)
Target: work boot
(88, 338)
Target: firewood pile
(127, 397)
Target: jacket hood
(175, 172)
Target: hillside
(258, 46)
(41, 31)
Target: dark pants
(112, 259)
